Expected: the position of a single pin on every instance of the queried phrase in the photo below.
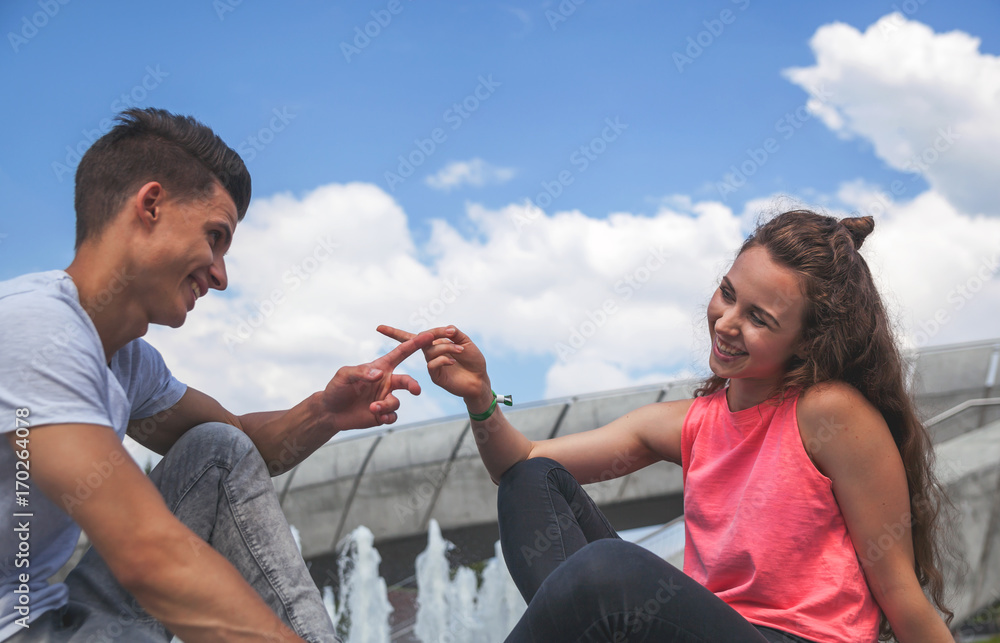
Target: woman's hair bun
(858, 228)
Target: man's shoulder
(52, 291)
(33, 282)
(41, 317)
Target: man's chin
(172, 321)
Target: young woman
(810, 504)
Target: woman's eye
(756, 319)
(726, 294)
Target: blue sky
(696, 90)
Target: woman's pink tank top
(764, 531)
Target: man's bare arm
(357, 397)
(174, 574)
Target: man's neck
(104, 289)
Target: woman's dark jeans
(608, 590)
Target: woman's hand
(454, 363)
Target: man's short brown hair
(179, 152)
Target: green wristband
(503, 399)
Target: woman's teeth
(731, 352)
(194, 287)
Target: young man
(199, 548)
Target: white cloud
(607, 302)
(475, 172)
(312, 277)
(604, 302)
(927, 102)
(938, 269)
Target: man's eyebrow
(224, 222)
(229, 232)
(754, 307)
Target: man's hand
(454, 363)
(361, 396)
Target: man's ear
(149, 197)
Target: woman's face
(755, 318)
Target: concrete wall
(395, 480)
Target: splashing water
(364, 608)
(449, 609)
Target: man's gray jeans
(214, 481)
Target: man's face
(185, 256)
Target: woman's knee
(527, 473)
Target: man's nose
(217, 274)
